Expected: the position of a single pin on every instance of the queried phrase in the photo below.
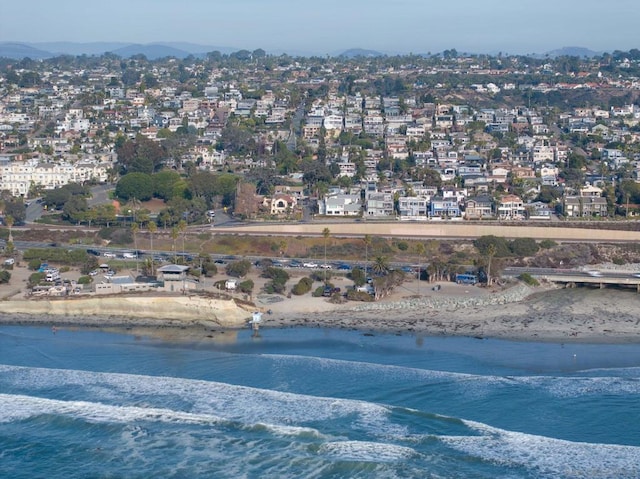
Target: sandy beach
(514, 311)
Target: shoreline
(518, 313)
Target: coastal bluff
(225, 313)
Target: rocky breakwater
(513, 294)
(147, 310)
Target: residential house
(511, 207)
(444, 207)
(538, 210)
(340, 205)
(413, 207)
(280, 204)
(379, 204)
(584, 206)
(479, 207)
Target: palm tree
(367, 243)
(174, 237)
(8, 220)
(152, 227)
(325, 233)
(380, 266)
(420, 248)
(491, 252)
(182, 228)
(134, 230)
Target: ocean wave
(246, 405)
(547, 457)
(367, 451)
(619, 381)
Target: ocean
(314, 403)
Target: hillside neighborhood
(408, 138)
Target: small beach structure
(256, 319)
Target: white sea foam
(548, 457)
(16, 407)
(366, 451)
(245, 405)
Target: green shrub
(5, 276)
(246, 286)
(547, 244)
(619, 261)
(403, 246)
(278, 275)
(524, 247)
(238, 269)
(302, 287)
(34, 264)
(85, 280)
(528, 279)
(321, 275)
(318, 292)
(353, 295)
(35, 279)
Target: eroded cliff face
(194, 309)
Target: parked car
(107, 254)
(310, 264)
(94, 252)
(326, 266)
(344, 267)
(295, 263)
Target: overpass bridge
(573, 277)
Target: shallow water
(314, 403)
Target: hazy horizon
(404, 26)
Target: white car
(108, 255)
(128, 255)
(326, 266)
(594, 273)
(310, 265)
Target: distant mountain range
(153, 51)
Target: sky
(331, 26)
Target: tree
(8, 220)
(74, 209)
(420, 248)
(14, 207)
(367, 243)
(135, 185)
(325, 234)
(134, 230)
(167, 184)
(174, 237)
(238, 269)
(491, 252)
(152, 227)
(182, 228)
(380, 266)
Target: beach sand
(547, 313)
